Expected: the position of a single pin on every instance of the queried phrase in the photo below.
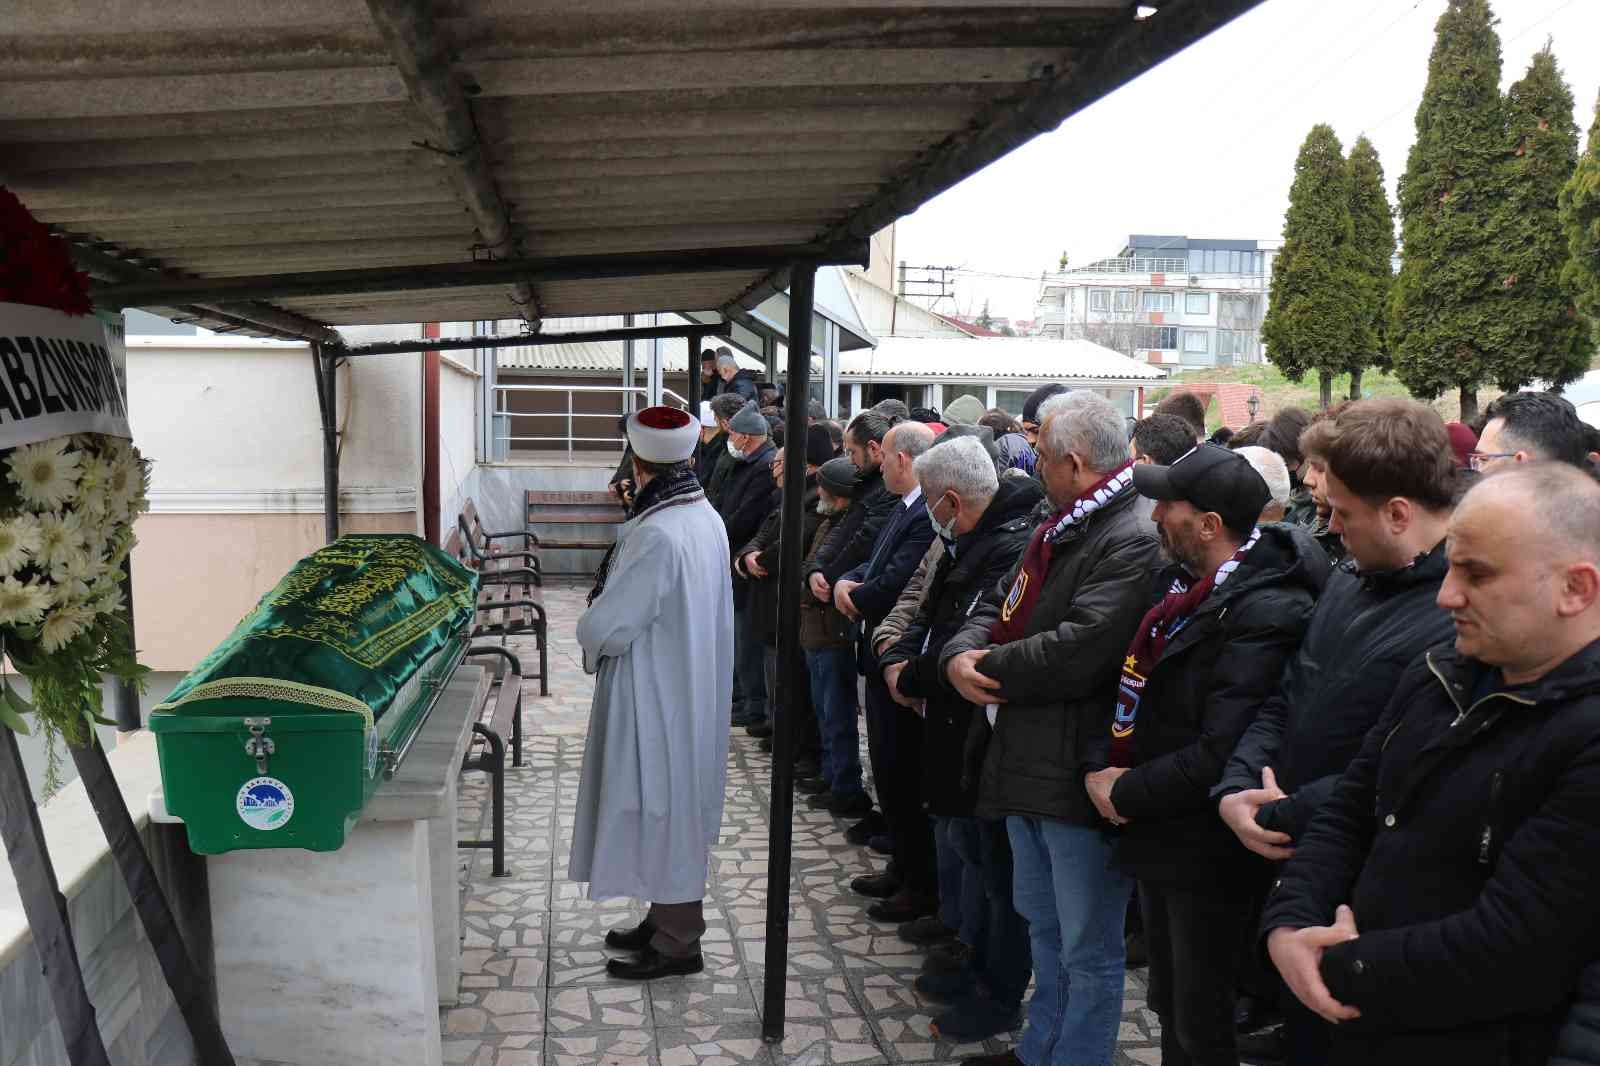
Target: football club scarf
(1024, 594)
(1160, 624)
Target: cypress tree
(1548, 340)
(1443, 320)
(1373, 220)
(1309, 324)
(1580, 217)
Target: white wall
(458, 470)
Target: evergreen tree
(1548, 340)
(1444, 318)
(1309, 324)
(1373, 220)
(1580, 217)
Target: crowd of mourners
(1304, 716)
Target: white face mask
(946, 532)
(733, 449)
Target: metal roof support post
(694, 393)
(327, 374)
(830, 368)
(802, 295)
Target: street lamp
(1254, 404)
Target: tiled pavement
(534, 990)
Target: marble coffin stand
(345, 956)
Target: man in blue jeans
(828, 639)
(1042, 654)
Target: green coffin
(281, 735)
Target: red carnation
(36, 266)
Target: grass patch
(1278, 392)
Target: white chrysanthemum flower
(61, 538)
(19, 542)
(107, 598)
(74, 575)
(62, 626)
(46, 474)
(22, 604)
(94, 496)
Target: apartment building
(1173, 301)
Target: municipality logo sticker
(265, 803)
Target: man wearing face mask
(747, 497)
(984, 523)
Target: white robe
(656, 763)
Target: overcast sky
(1204, 145)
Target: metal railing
(623, 393)
(1134, 266)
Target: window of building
(1196, 340)
(951, 392)
(1197, 303)
(1011, 400)
(1099, 299)
(1124, 299)
(1158, 300)
(1234, 346)
(1163, 338)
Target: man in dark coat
(984, 523)
(1390, 478)
(1441, 906)
(1040, 653)
(1237, 601)
(722, 461)
(747, 497)
(894, 734)
(731, 379)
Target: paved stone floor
(534, 990)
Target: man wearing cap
(1236, 602)
(747, 496)
(658, 634)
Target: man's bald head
(1524, 581)
(1559, 502)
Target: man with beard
(1203, 660)
(1390, 480)
(658, 634)
(1441, 906)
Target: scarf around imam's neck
(1160, 624)
(678, 485)
(1019, 603)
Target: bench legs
(492, 762)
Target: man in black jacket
(984, 524)
(894, 734)
(1441, 906)
(747, 497)
(741, 383)
(722, 460)
(1040, 653)
(1390, 479)
(1205, 658)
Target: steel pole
(802, 294)
(327, 402)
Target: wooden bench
(504, 722)
(510, 597)
(486, 548)
(573, 509)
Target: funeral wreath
(71, 486)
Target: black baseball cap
(1212, 479)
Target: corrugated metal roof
(990, 358)
(235, 137)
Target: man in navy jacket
(894, 733)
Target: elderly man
(1041, 653)
(731, 379)
(722, 461)
(1275, 473)
(894, 734)
(658, 634)
(1389, 477)
(747, 497)
(1529, 426)
(984, 523)
(1203, 661)
(1441, 905)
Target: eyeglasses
(1478, 460)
